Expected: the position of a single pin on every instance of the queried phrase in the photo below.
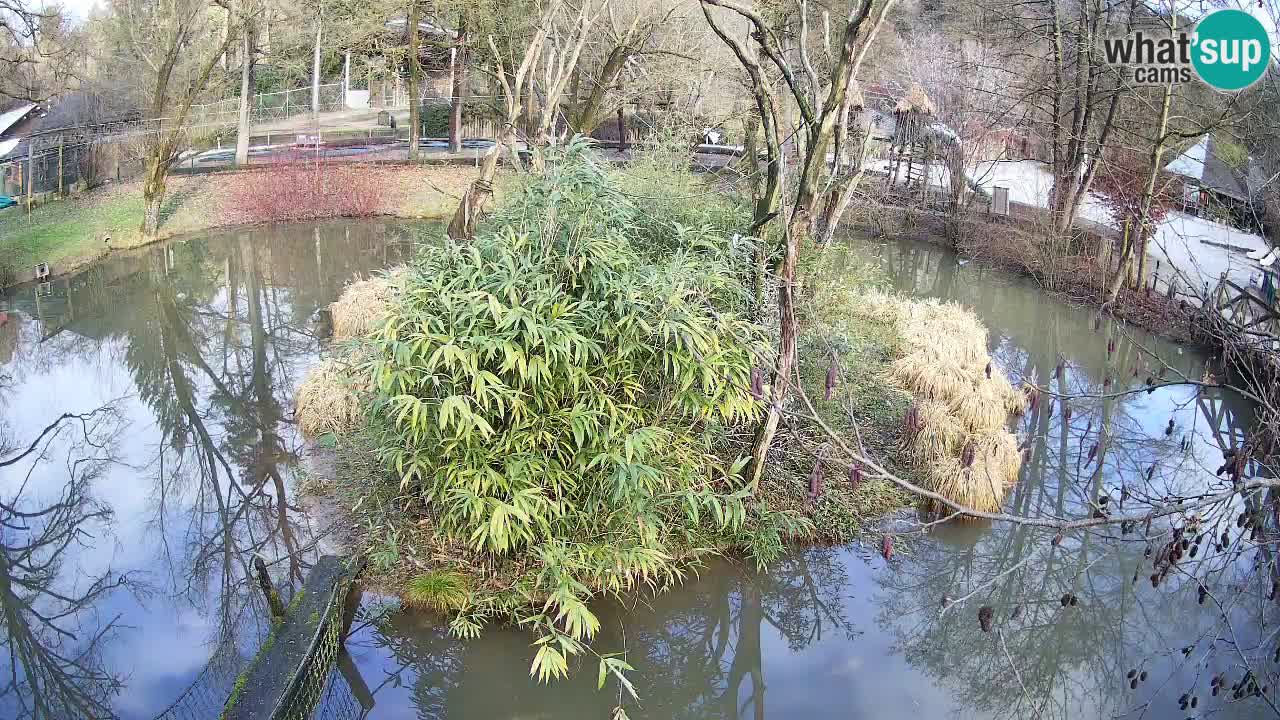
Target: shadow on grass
(177, 198)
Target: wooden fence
(1248, 314)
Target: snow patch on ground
(1181, 241)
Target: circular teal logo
(1231, 50)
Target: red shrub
(301, 190)
(1121, 182)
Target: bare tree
(173, 48)
(821, 102)
(561, 57)
(39, 54)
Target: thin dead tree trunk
(462, 227)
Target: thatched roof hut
(917, 101)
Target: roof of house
(11, 117)
(1202, 163)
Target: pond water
(124, 549)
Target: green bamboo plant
(554, 392)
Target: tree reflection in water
(51, 637)
(1074, 660)
(830, 633)
(210, 336)
(698, 652)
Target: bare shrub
(299, 190)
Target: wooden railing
(1248, 313)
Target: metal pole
(31, 172)
(346, 76)
(60, 188)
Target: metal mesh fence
(320, 688)
(205, 697)
(269, 106)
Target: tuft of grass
(439, 590)
(363, 307)
(328, 400)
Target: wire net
(320, 688)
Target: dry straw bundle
(957, 427)
(328, 401)
(364, 305)
(916, 100)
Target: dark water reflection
(125, 539)
(124, 550)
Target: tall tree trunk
(153, 189)
(589, 115)
(459, 90)
(247, 67)
(1138, 244)
(415, 103)
(315, 68)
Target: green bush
(555, 392)
(435, 121)
(434, 118)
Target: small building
(13, 120)
(1215, 180)
(36, 141)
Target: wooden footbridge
(1244, 323)
(1251, 316)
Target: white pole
(346, 76)
(315, 67)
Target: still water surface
(132, 574)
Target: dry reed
(328, 401)
(938, 433)
(364, 305)
(959, 438)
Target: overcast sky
(79, 9)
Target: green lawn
(66, 230)
(68, 234)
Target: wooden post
(622, 130)
(61, 190)
(269, 590)
(31, 172)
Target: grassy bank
(72, 233)
(1018, 245)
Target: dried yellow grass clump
(981, 407)
(364, 305)
(929, 376)
(938, 433)
(328, 401)
(957, 429)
